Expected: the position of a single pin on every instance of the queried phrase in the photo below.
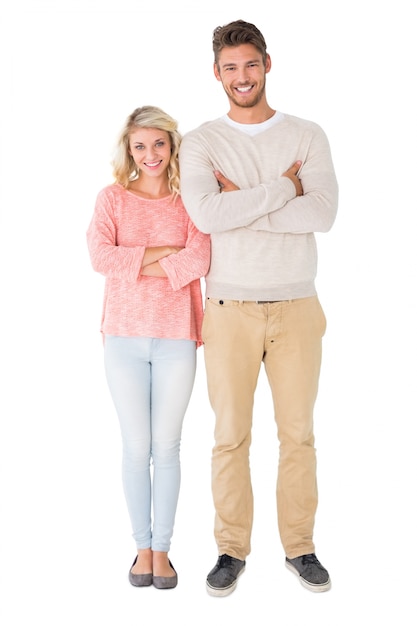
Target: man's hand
(224, 183)
(292, 175)
(227, 185)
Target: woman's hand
(159, 252)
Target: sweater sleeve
(212, 211)
(191, 263)
(315, 210)
(108, 258)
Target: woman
(142, 240)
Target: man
(261, 182)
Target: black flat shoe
(139, 580)
(166, 582)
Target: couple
(255, 186)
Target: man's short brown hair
(235, 34)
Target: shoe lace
(311, 559)
(225, 560)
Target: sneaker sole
(310, 586)
(223, 591)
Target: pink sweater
(122, 226)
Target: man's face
(242, 74)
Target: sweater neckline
(137, 195)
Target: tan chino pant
(286, 336)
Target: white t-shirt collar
(254, 129)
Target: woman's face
(151, 150)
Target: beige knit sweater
(262, 236)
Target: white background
(71, 71)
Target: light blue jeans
(150, 381)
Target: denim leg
(173, 374)
(128, 371)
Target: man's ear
(268, 64)
(216, 71)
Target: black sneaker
(312, 574)
(222, 579)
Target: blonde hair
(124, 167)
